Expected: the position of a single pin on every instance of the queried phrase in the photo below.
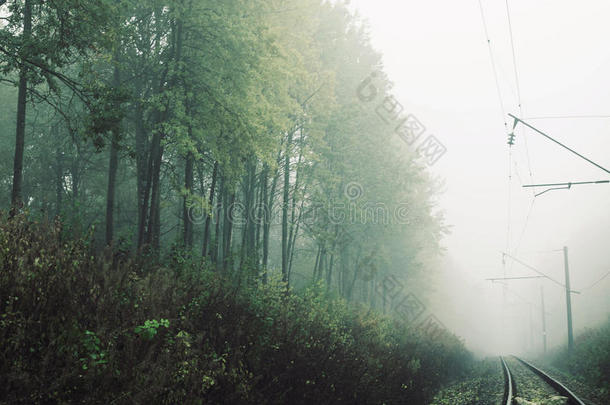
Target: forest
(204, 208)
(229, 132)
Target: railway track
(528, 378)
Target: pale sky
(436, 53)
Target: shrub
(76, 327)
(590, 358)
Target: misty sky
(437, 55)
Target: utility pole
(543, 318)
(566, 286)
(568, 299)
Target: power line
(543, 251)
(527, 154)
(567, 184)
(502, 111)
(552, 117)
(493, 66)
(512, 45)
(534, 269)
(521, 297)
(598, 281)
(514, 278)
(527, 219)
(517, 172)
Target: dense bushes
(81, 328)
(589, 360)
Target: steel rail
(509, 384)
(556, 385)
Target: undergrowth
(79, 327)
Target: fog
(438, 57)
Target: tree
(39, 50)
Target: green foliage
(589, 361)
(104, 111)
(74, 328)
(94, 355)
(257, 97)
(243, 86)
(150, 328)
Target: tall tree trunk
(373, 293)
(322, 264)
(315, 266)
(59, 186)
(154, 214)
(17, 197)
(246, 252)
(143, 214)
(188, 185)
(153, 235)
(265, 219)
(268, 201)
(285, 202)
(217, 246)
(252, 257)
(295, 220)
(294, 239)
(227, 231)
(352, 285)
(75, 179)
(261, 185)
(206, 230)
(59, 178)
(141, 166)
(112, 165)
(329, 272)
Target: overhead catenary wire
(559, 143)
(527, 219)
(518, 85)
(598, 281)
(552, 117)
(516, 294)
(503, 115)
(540, 252)
(520, 106)
(493, 67)
(573, 183)
(514, 278)
(536, 270)
(517, 172)
(512, 45)
(563, 186)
